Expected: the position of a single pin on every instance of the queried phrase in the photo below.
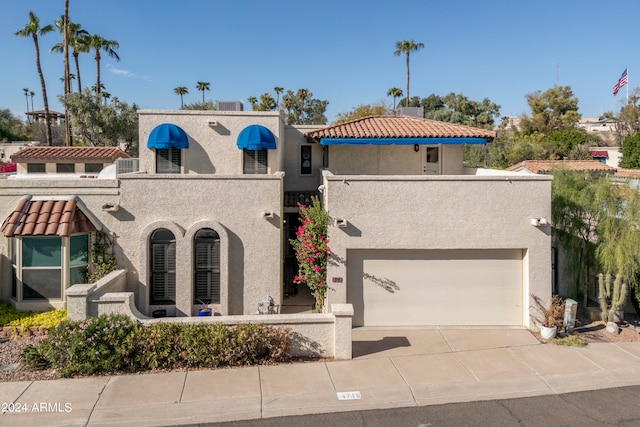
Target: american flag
(623, 80)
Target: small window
(305, 160)
(255, 161)
(92, 167)
(168, 160)
(36, 168)
(65, 167)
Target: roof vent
(411, 111)
(229, 106)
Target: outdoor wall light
(110, 207)
(213, 124)
(539, 222)
(267, 215)
(416, 147)
(340, 223)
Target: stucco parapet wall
(175, 177)
(420, 178)
(267, 319)
(20, 187)
(208, 113)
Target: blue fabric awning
(256, 137)
(168, 135)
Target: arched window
(163, 267)
(206, 277)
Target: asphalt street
(604, 407)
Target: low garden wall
(312, 334)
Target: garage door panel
(435, 287)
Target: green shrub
(115, 343)
(95, 345)
(573, 340)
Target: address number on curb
(349, 395)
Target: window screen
(255, 161)
(168, 160)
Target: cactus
(611, 298)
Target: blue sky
(342, 51)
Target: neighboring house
(417, 239)
(608, 155)
(39, 116)
(87, 161)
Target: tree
(99, 43)
(78, 41)
(395, 93)
(301, 108)
(631, 152)
(361, 111)
(181, 90)
(202, 86)
(26, 97)
(457, 108)
(208, 105)
(11, 128)
(628, 119)
(266, 103)
(406, 47)
(31, 95)
(32, 29)
(278, 90)
(96, 124)
(554, 109)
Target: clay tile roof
(599, 153)
(545, 166)
(46, 218)
(66, 154)
(627, 173)
(399, 127)
(292, 198)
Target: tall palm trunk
(407, 101)
(97, 58)
(67, 81)
(47, 116)
(76, 54)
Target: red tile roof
(399, 127)
(73, 154)
(545, 166)
(46, 218)
(599, 153)
(627, 173)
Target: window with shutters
(206, 250)
(163, 267)
(255, 161)
(168, 160)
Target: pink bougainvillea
(312, 251)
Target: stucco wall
(293, 180)
(211, 150)
(232, 204)
(391, 159)
(441, 212)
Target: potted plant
(205, 310)
(552, 316)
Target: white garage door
(435, 287)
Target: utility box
(570, 309)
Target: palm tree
(26, 97)
(32, 29)
(396, 93)
(202, 86)
(99, 43)
(78, 41)
(31, 94)
(278, 90)
(406, 47)
(181, 90)
(253, 101)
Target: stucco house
(417, 239)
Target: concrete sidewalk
(391, 368)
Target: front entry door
(431, 161)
